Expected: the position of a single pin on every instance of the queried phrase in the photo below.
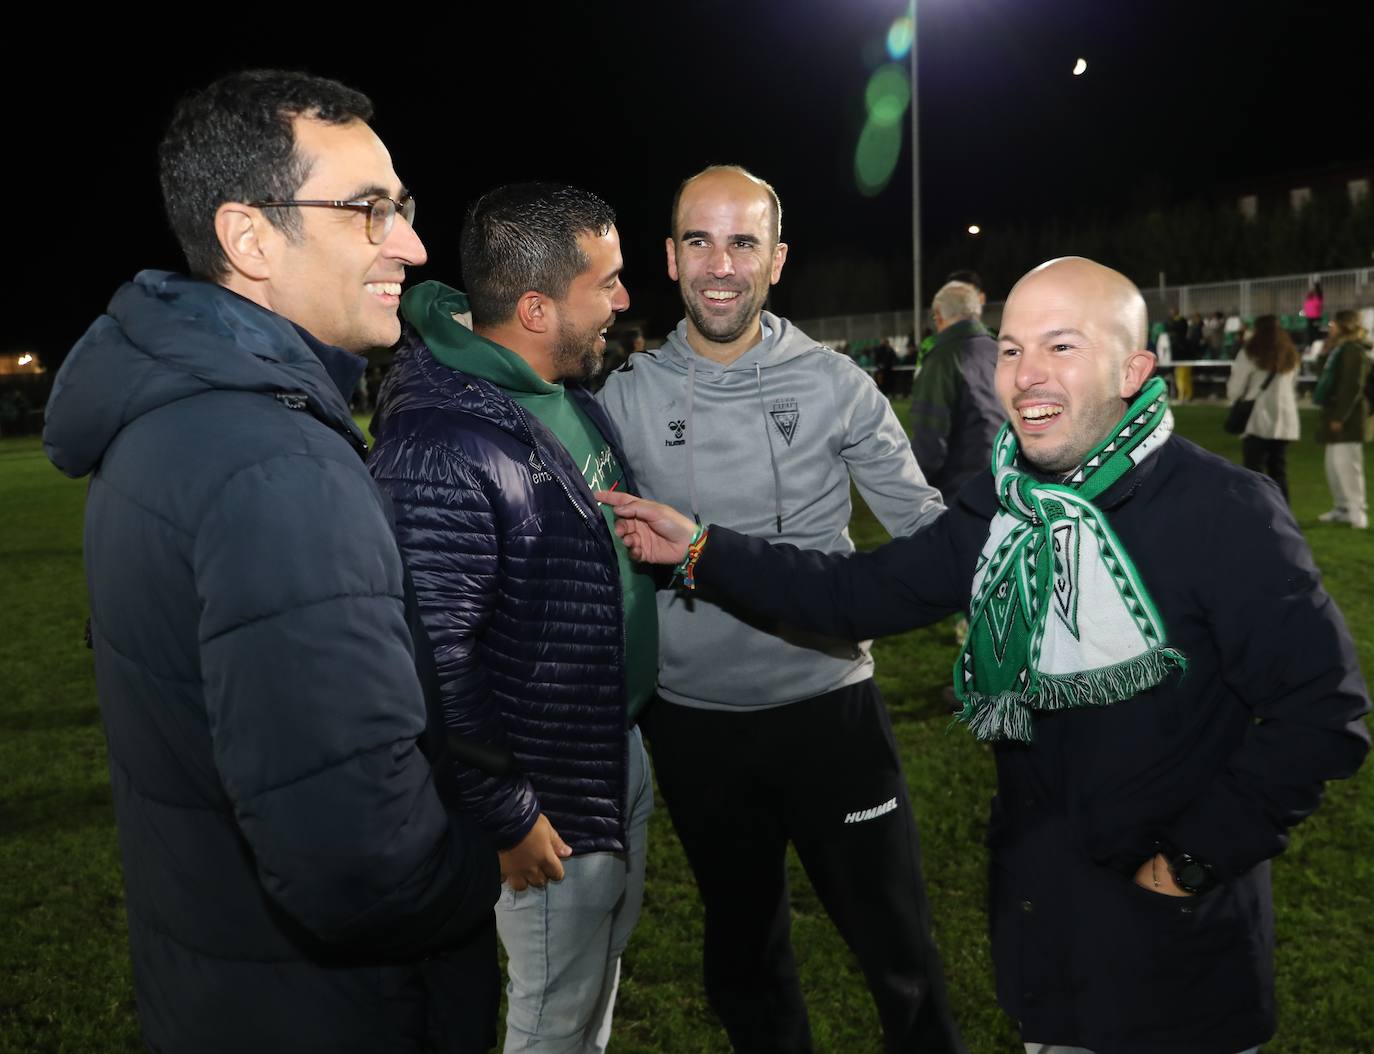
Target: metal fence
(1277, 295)
(849, 328)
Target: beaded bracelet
(687, 569)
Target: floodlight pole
(915, 183)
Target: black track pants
(824, 774)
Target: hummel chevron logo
(872, 814)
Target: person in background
(621, 343)
(1269, 356)
(1340, 427)
(1313, 304)
(884, 362)
(954, 409)
(1212, 335)
(929, 333)
(1177, 334)
(1193, 341)
(1233, 334)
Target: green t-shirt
(592, 453)
(434, 309)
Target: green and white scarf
(1059, 617)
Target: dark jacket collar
(418, 379)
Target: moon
(1080, 67)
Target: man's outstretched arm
(906, 583)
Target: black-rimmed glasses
(380, 212)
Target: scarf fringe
(1007, 715)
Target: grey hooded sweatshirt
(766, 445)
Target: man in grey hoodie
(745, 420)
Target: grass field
(64, 972)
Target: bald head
(732, 180)
(724, 254)
(1108, 295)
(1070, 354)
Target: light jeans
(1345, 477)
(1050, 1048)
(564, 941)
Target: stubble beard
(578, 356)
(724, 330)
(1074, 449)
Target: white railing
(1275, 295)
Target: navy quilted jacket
(289, 869)
(515, 572)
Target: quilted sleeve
(447, 525)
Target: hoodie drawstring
(691, 434)
(772, 456)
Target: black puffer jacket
(1220, 760)
(287, 862)
(519, 589)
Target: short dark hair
(234, 141)
(523, 236)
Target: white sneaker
(1334, 516)
(1359, 520)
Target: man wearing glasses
(289, 865)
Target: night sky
(628, 98)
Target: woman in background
(1273, 423)
(1312, 306)
(1340, 394)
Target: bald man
(743, 419)
(1163, 704)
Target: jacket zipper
(557, 478)
(624, 657)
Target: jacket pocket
(1172, 970)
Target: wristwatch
(1190, 874)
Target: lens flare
(900, 36)
(888, 94)
(875, 158)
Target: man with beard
(1163, 706)
(745, 420)
(544, 637)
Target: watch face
(1192, 876)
